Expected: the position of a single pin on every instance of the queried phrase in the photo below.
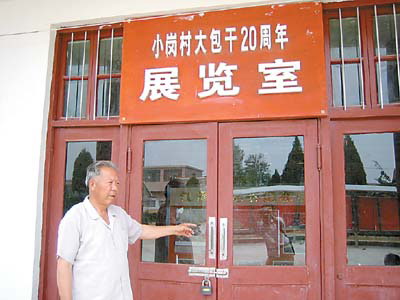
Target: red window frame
(93, 34)
(369, 58)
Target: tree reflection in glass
(269, 208)
(372, 198)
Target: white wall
(23, 61)
(26, 51)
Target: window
(90, 67)
(151, 175)
(364, 56)
(172, 173)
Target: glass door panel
(269, 198)
(269, 216)
(372, 205)
(79, 156)
(173, 180)
(174, 192)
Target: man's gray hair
(94, 169)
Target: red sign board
(241, 64)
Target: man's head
(102, 181)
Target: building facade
(274, 126)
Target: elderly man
(93, 241)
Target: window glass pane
(152, 175)
(387, 34)
(353, 85)
(171, 173)
(372, 168)
(105, 55)
(269, 208)
(350, 38)
(390, 82)
(75, 98)
(79, 156)
(334, 31)
(178, 197)
(336, 74)
(79, 65)
(103, 97)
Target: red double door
(253, 190)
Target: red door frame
(164, 280)
(152, 280)
(284, 282)
(54, 200)
(131, 177)
(357, 282)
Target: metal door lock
(206, 288)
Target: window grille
(92, 73)
(364, 56)
(77, 76)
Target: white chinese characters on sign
(158, 46)
(159, 83)
(200, 44)
(250, 38)
(218, 80)
(281, 35)
(279, 77)
(265, 37)
(185, 43)
(171, 45)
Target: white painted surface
(26, 52)
(23, 61)
(30, 15)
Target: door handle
(212, 236)
(223, 238)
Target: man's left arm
(150, 232)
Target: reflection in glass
(372, 168)
(351, 93)
(387, 35)
(75, 98)
(105, 55)
(350, 38)
(75, 88)
(269, 207)
(104, 107)
(174, 191)
(352, 82)
(108, 94)
(78, 64)
(79, 156)
(390, 83)
(386, 71)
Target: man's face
(104, 188)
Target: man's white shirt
(98, 251)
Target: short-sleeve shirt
(98, 251)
